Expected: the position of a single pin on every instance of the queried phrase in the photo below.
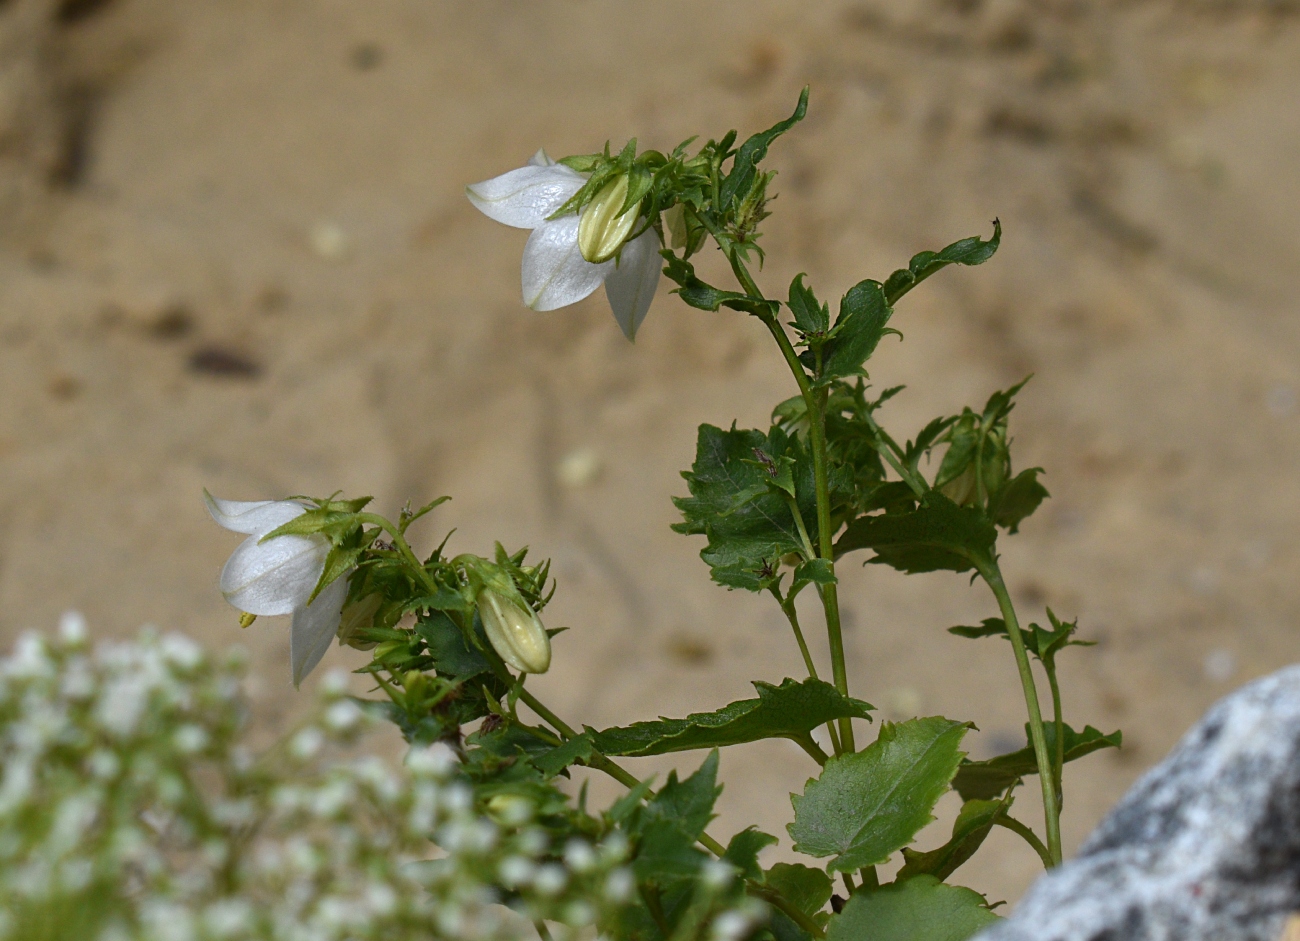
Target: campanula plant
(780, 510)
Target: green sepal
(742, 852)
(968, 251)
(974, 822)
(740, 180)
(791, 710)
(920, 909)
(985, 780)
(937, 535)
(866, 806)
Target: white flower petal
(540, 159)
(554, 273)
(314, 627)
(524, 198)
(257, 517)
(631, 286)
(275, 576)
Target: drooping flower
(515, 632)
(555, 272)
(278, 576)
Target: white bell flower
(279, 575)
(554, 272)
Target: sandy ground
(237, 255)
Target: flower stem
(815, 402)
(991, 574)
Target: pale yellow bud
(602, 230)
(515, 632)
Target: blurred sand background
(236, 254)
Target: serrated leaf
(805, 888)
(752, 152)
(920, 909)
(858, 329)
(867, 806)
(749, 525)
(972, 825)
(791, 710)
(811, 316)
(989, 627)
(968, 251)
(575, 751)
(703, 296)
(1017, 499)
(813, 572)
(984, 780)
(937, 535)
(452, 655)
(668, 826)
(742, 852)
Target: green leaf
(748, 524)
(984, 780)
(1040, 642)
(1018, 498)
(738, 181)
(920, 909)
(989, 627)
(972, 825)
(858, 329)
(791, 710)
(811, 316)
(577, 750)
(703, 296)
(805, 888)
(969, 251)
(742, 852)
(868, 805)
(666, 828)
(937, 535)
(452, 655)
(814, 571)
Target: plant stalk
(815, 402)
(991, 574)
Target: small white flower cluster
(130, 810)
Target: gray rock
(1205, 847)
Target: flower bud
(515, 632)
(603, 229)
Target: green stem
(1058, 763)
(812, 748)
(848, 883)
(793, 504)
(991, 574)
(542, 931)
(889, 450)
(815, 402)
(791, 615)
(1015, 826)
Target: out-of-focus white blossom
(151, 821)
